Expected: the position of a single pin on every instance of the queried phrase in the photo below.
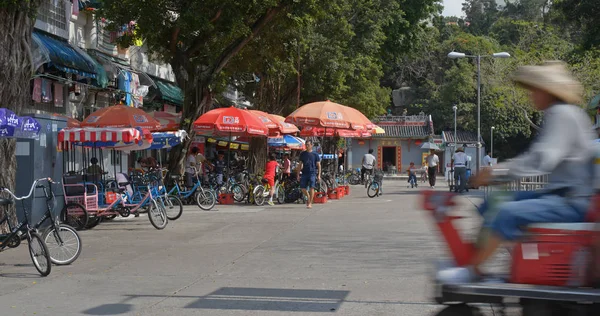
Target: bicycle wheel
(174, 207)
(158, 215)
(259, 195)
(75, 215)
(65, 250)
(206, 200)
(373, 189)
(280, 194)
(238, 192)
(40, 256)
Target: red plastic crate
(226, 198)
(346, 190)
(333, 194)
(340, 192)
(320, 198)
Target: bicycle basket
(378, 176)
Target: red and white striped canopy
(102, 134)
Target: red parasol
(230, 121)
(264, 117)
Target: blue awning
(65, 57)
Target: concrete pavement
(355, 256)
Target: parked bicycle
(62, 240)
(38, 251)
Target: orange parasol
(284, 128)
(169, 122)
(321, 114)
(358, 120)
(71, 122)
(121, 116)
(311, 131)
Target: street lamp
(454, 108)
(456, 55)
(492, 143)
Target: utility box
(40, 158)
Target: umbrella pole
(229, 152)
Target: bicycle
(12, 240)
(61, 239)
(261, 192)
(376, 186)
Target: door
(389, 161)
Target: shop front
(398, 147)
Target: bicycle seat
(123, 184)
(4, 201)
(175, 176)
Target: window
(54, 13)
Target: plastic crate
(226, 198)
(320, 198)
(340, 192)
(332, 194)
(346, 189)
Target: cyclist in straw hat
(563, 149)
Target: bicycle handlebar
(33, 186)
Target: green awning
(170, 92)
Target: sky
(453, 8)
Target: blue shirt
(309, 163)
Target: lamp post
(455, 108)
(456, 55)
(492, 143)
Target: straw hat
(552, 77)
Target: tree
(198, 39)
(585, 15)
(480, 14)
(16, 25)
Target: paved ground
(356, 256)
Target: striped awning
(104, 135)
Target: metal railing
(523, 184)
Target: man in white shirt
(459, 163)
(433, 167)
(487, 160)
(368, 163)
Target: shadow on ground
(253, 299)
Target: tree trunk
(197, 100)
(16, 25)
(257, 155)
(329, 146)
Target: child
(269, 177)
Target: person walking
(459, 163)
(487, 160)
(433, 167)
(310, 165)
(368, 163)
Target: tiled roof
(463, 137)
(404, 131)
